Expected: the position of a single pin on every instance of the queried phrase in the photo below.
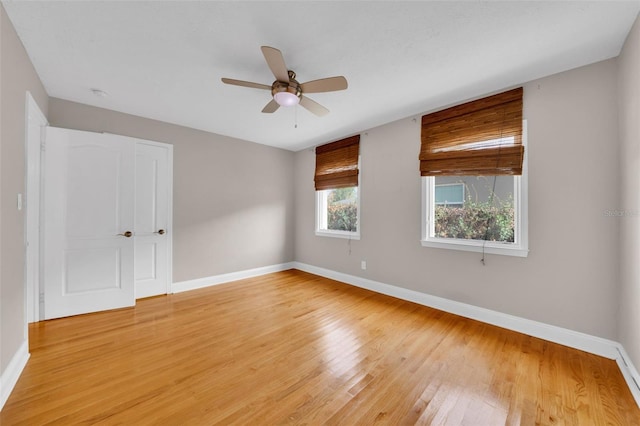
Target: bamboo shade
(337, 164)
(478, 138)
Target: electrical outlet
(363, 264)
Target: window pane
(486, 213)
(450, 194)
(342, 209)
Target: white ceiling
(164, 60)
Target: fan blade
(271, 107)
(276, 63)
(330, 84)
(245, 84)
(313, 106)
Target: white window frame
(321, 217)
(520, 246)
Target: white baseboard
(629, 372)
(574, 339)
(181, 286)
(11, 374)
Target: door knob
(161, 232)
(127, 234)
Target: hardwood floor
(295, 348)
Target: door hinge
(41, 298)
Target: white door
(88, 222)
(152, 224)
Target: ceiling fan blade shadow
(271, 107)
(245, 83)
(276, 63)
(313, 106)
(330, 84)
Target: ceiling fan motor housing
(292, 86)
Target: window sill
(490, 248)
(339, 234)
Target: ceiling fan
(286, 90)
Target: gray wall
(17, 76)
(570, 277)
(233, 200)
(629, 98)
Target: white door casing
(153, 218)
(89, 201)
(36, 124)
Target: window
(493, 223)
(475, 177)
(338, 212)
(337, 189)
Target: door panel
(87, 270)
(88, 204)
(93, 177)
(146, 255)
(152, 219)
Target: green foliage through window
(476, 221)
(342, 210)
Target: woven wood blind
(478, 138)
(337, 164)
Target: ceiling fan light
(286, 99)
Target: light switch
(19, 201)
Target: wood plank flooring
(295, 348)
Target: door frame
(32, 217)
